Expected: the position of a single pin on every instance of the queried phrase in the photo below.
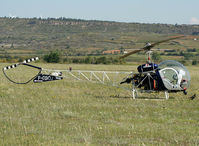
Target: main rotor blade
(130, 53)
(172, 38)
(149, 46)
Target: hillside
(23, 36)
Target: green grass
(76, 113)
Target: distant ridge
(112, 25)
(76, 37)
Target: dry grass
(63, 112)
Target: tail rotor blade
(10, 66)
(17, 64)
(31, 60)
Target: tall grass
(63, 112)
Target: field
(76, 113)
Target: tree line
(55, 57)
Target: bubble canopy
(174, 75)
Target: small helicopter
(169, 76)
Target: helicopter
(169, 76)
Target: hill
(35, 36)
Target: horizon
(129, 11)
(91, 20)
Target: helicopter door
(170, 78)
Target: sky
(142, 11)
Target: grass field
(76, 113)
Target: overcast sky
(143, 11)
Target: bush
(53, 57)
(101, 60)
(88, 60)
(156, 56)
(194, 62)
(184, 62)
(93, 60)
(187, 56)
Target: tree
(194, 62)
(156, 56)
(101, 60)
(122, 50)
(53, 57)
(88, 60)
(187, 56)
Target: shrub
(194, 62)
(88, 60)
(53, 57)
(156, 56)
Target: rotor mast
(148, 52)
(149, 56)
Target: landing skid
(135, 93)
(166, 93)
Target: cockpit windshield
(174, 75)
